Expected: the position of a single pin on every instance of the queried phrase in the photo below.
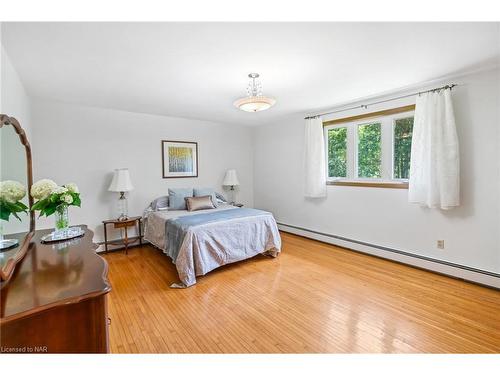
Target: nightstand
(135, 221)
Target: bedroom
(191, 223)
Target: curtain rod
(383, 101)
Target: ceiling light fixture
(254, 101)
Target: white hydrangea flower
(42, 189)
(66, 198)
(59, 190)
(12, 191)
(72, 188)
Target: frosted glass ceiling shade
(255, 101)
(121, 181)
(231, 179)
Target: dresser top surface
(54, 274)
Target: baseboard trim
(460, 271)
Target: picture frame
(179, 159)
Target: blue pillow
(177, 199)
(200, 192)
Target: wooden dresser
(55, 301)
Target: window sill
(386, 185)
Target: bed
(200, 241)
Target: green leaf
(22, 206)
(4, 212)
(49, 210)
(4, 215)
(40, 205)
(7, 208)
(12, 207)
(17, 207)
(76, 199)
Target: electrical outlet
(440, 244)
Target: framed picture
(179, 159)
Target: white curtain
(434, 169)
(315, 167)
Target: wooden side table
(125, 224)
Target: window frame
(387, 119)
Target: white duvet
(208, 246)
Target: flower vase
(61, 220)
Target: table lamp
(231, 179)
(121, 183)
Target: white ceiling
(197, 70)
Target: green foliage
(403, 129)
(8, 208)
(49, 205)
(369, 150)
(337, 152)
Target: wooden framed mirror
(15, 165)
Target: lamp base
(122, 207)
(233, 195)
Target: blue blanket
(177, 228)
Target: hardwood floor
(314, 297)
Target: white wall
(383, 216)
(14, 100)
(85, 144)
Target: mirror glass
(13, 182)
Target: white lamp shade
(121, 181)
(231, 179)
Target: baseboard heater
(460, 271)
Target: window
(337, 152)
(403, 129)
(371, 150)
(369, 163)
